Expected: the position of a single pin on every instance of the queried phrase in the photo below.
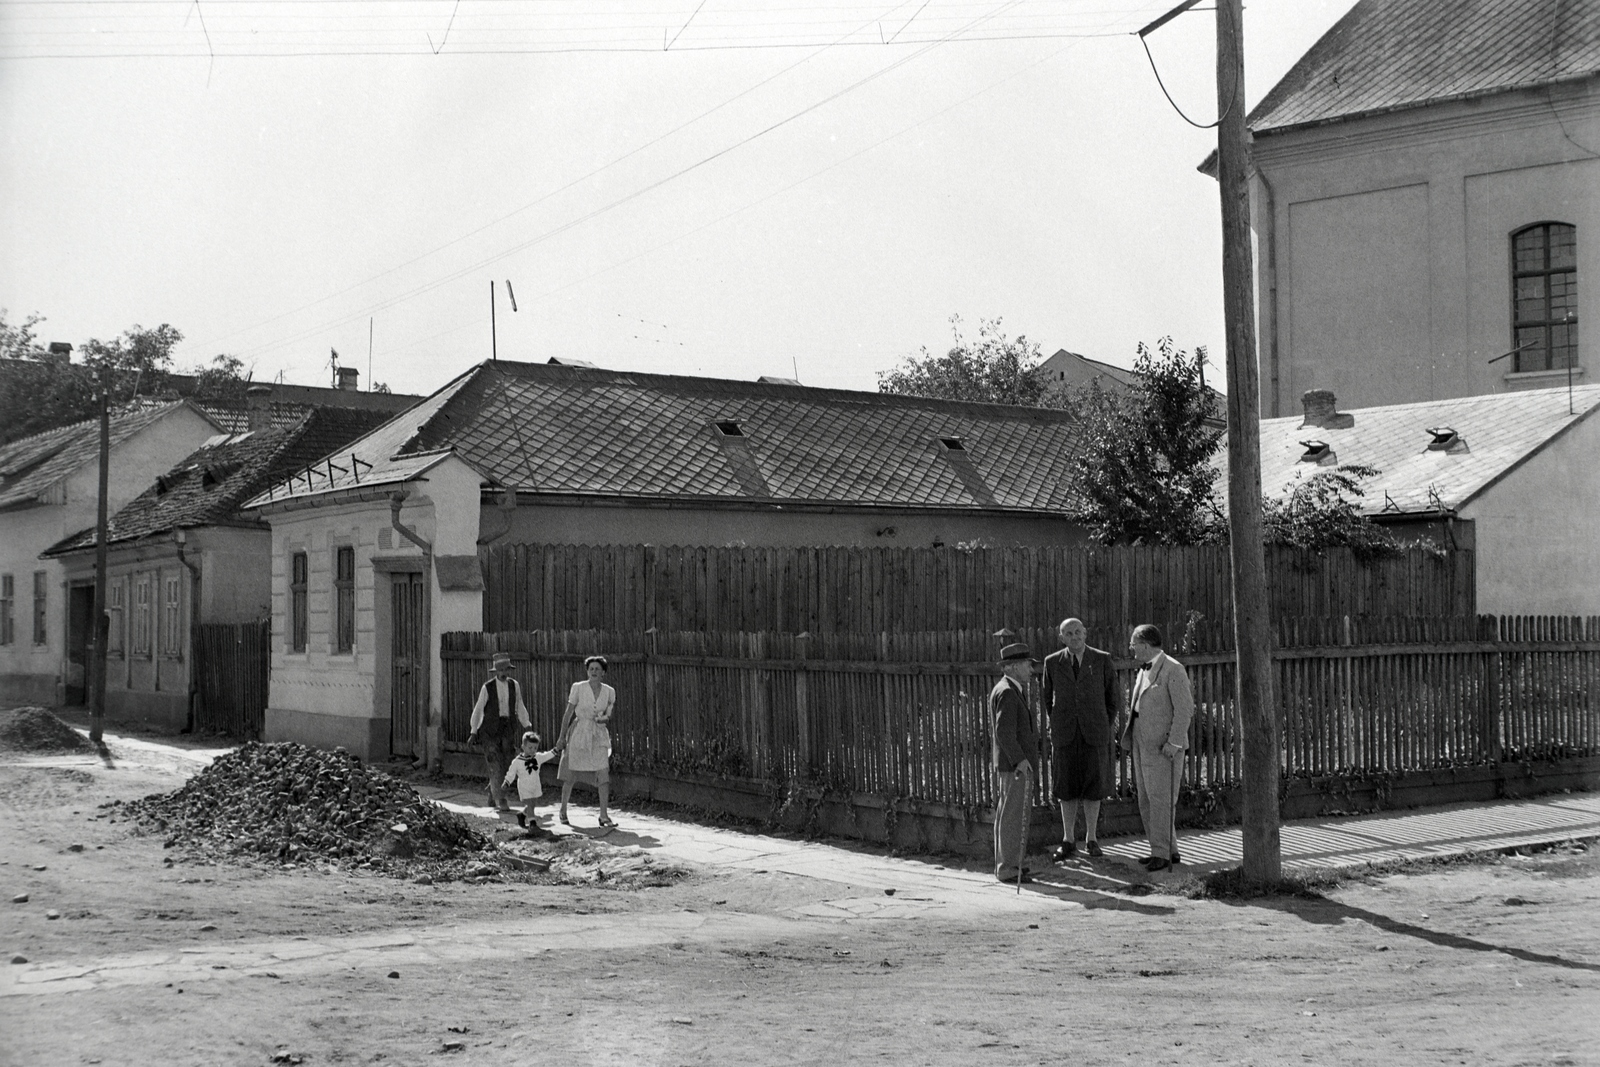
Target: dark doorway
(408, 691)
(80, 609)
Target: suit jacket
(1011, 726)
(1085, 706)
(1163, 702)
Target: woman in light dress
(585, 743)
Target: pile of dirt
(37, 730)
(287, 802)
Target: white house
(1512, 475)
(1425, 198)
(49, 488)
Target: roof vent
(1445, 439)
(729, 428)
(773, 379)
(563, 361)
(163, 485)
(953, 444)
(1319, 452)
(1322, 410)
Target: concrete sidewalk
(1309, 845)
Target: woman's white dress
(589, 743)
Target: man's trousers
(1012, 808)
(1157, 779)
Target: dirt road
(1490, 963)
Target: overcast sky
(789, 188)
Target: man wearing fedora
(1162, 706)
(498, 721)
(1015, 745)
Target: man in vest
(1080, 697)
(498, 720)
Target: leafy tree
(38, 393)
(994, 369)
(138, 360)
(222, 381)
(1323, 511)
(17, 342)
(1148, 473)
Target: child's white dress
(526, 778)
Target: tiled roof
(570, 430)
(1500, 430)
(31, 466)
(1385, 55)
(210, 484)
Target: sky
(728, 188)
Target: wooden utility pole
(98, 623)
(1252, 617)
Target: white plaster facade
(1383, 259)
(41, 673)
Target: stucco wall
(1537, 549)
(1392, 243)
(610, 524)
(236, 573)
(35, 673)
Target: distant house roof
(1385, 55)
(31, 466)
(565, 430)
(1494, 434)
(208, 487)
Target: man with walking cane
(1014, 747)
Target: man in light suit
(1162, 706)
(1081, 699)
(1015, 745)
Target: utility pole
(99, 622)
(1251, 601)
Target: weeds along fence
(231, 666)
(904, 590)
(905, 715)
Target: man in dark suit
(1015, 744)
(1080, 697)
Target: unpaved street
(1489, 963)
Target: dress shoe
(1064, 851)
(1157, 864)
(1095, 850)
(1013, 879)
(1175, 858)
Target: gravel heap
(37, 730)
(288, 802)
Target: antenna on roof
(494, 340)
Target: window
(116, 608)
(40, 587)
(172, 615)
(8, 609)
(1544, 296)
(141, 615)
(344, 599)
(297, 601)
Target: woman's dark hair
(1147, 633)
(596, 659)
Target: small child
(524, 773)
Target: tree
(993, 370)
(222, 381)
(38, 393)
(136, 361)
(1148, 473)
(1323, 511)
(17, 342)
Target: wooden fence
(905, 715)
(231, 665)
(898, 590)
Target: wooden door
(408, 693)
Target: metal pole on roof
(1263, 861)
(494, 341)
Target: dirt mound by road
(37, 730)
(287, 802)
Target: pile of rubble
(37, 730)
(287, 802)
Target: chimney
(60, 352)
(348, 379)
(1322, 410)
(258, 399)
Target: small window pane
(1563, 247)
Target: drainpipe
(181, 536)
(508, 507)
(433, 743)
(1272, 286)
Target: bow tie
(1146, 666)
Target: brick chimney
(1322, 410)
(258, 399)
(349, 378)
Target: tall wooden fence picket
(231, 665)
(899, 590)
(905, 715)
